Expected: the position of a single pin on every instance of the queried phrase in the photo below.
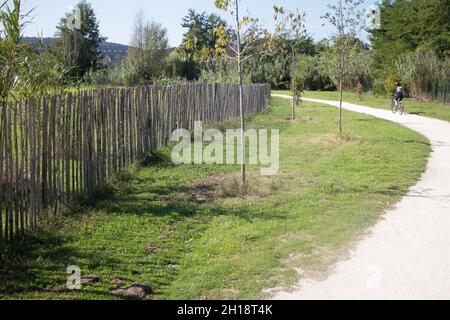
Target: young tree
(80, 46)
(348, 18)
(291, 31)
(361, 69)
(356, 71)
(238, 44)
(305, 69)
(149, 48)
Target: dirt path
(406, 255)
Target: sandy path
(406, 255)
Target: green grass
(150, 230)
(428, 109)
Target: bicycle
(397, 106)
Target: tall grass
(12, 24)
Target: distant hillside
(112, 51)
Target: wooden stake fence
(53, 148)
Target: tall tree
(348, 19)
(408, 25)
(199, 41)
(80, 45)
(149, 48)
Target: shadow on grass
(176, 201)
(38, 262)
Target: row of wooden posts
(54, 148)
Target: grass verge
(151, 227)
(421, 108)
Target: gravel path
(406, 255)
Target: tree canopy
(80, 46)
(149, 49)
(408, 25)
(199, 41)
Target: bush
(420, 72)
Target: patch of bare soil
(333, 138)
(230, 186)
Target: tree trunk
(294, 98)
(2, 125)
(341, 92)
(343, 52)
(445, 94)
(241, 110)
(294, 95)
(241, 98)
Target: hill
(112, 51)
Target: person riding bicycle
(397, 94)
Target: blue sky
(116, 16)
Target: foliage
(200, 40)
(126, 73)
(303, 70)
(224, 72)
(25, 72)
(79, 48)
(290, 32)
(355, 74)
(271, 68)
(420, 71)
(12, 52)
(408, 25)
(99, 77)
(247, 39)
(179, 67)
(412, 45)
(165, 81)
(348, 19)
(43, 74)
(149, 49)
(275, 67)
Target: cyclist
(397, 94)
